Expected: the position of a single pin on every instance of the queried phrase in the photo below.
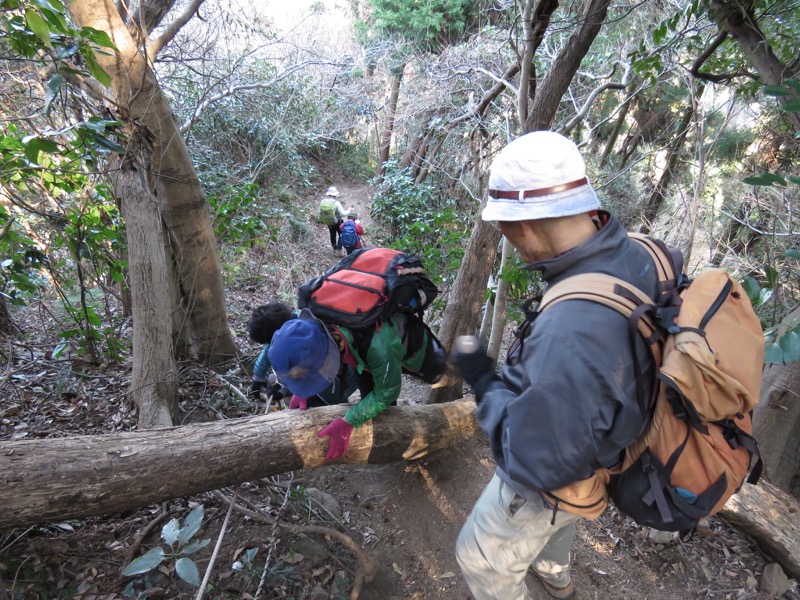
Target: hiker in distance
(264, 321)
(332, 214)
(565, 402)
(350, 232)
(307, 353)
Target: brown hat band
(515, 195)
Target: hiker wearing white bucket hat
(565, 402)
(332, 214)
(538, 176)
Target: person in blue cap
(307, 353)
(264, 321)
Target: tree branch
(698, 63)
(233, 89)
(153, 47)
(581, 114)
(479, 108)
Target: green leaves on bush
(421, 221)
(782, 340)
(782, 347)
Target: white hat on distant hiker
(332, 191)
(539, 175)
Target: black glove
(257, 388)
(473, 364)
(276, 391)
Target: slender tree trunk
(486, 319)
(463, 313)
(776, 422)
(556, 82)
(526, 70)
(154, 383)
(182, 203)
(699, 178)
(656, 199)
(74, 477)
(499, 317)
(396, 78)
(612, 139)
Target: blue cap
(304, 355)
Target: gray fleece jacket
(567, 401)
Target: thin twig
(213, 559)
(233, 388)
(365, 565)
(15, 540)
(272, 544)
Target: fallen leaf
(396, 569)
(446, 575)
(292, 558)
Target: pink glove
(339, 432)
(298, 402)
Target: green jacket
(385, 360)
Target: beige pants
(504, 535)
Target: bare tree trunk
(499, 317)
(526, 70)
(612, 139)
(700, 176)
(154, 383)
(656, 199)
(183, 205)
(463, 312)
(66, 478)
(486, 320)
(556, 82)
(396, 78)
(776, 422)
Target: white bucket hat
(332, 191)
(540, 175)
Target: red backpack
(368, 286)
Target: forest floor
(405, 515)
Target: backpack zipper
(715, 306)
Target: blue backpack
(348, 236)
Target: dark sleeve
(569, 404)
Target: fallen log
(67, 478)
(772, 518)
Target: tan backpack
(698, 447)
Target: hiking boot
(568, 591)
